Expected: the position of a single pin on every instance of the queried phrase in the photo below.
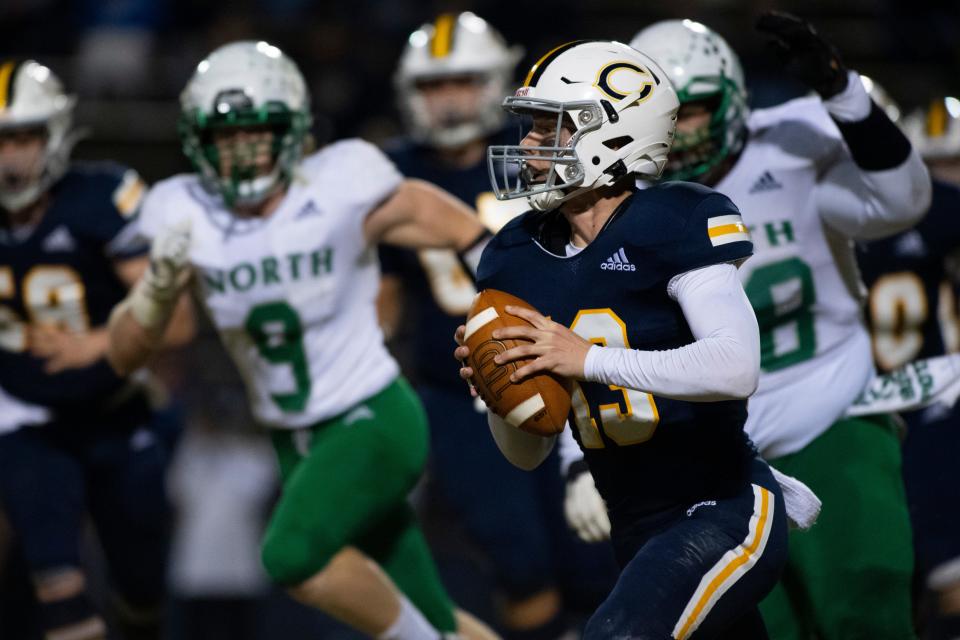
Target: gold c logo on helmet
(604, 81)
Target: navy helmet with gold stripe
(455, 46)
(32, 97)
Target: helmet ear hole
(596, 160)
(616, 143)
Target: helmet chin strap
(456, 136)
(253, 192)
(16, 200)
(55, 162)
(547, 200)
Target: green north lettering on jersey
(775, 234)
(270, 270)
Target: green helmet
(248, 85)
(702, 67)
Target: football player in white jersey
(809, 176)
(282, 254)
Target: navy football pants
(52, 476)
(700, 571)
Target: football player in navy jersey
(452, 78)
(662, 356)
(912, 312)
(74, 436)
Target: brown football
(537, 405)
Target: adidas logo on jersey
(309, 209)
(766, 182)
(617, 262)
(59, 239)
(911, 244)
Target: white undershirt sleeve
(867, 205)
(722, 363)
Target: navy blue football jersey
(61, 273)
(437, 290)
(912, 303)
(646, 453)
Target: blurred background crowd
(127, 60)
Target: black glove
(804, 53)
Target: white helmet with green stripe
(702, 67)
(247, 85)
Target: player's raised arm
(419, 215)
(182, 326)
(882, 185)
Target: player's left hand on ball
(804, 53)
(555, 348)
(65, 349)
(461, 353)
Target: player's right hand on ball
(461, 353)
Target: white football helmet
(32, 96)
(623, 109)
(701, 66)
(245, 84)
(935, 131)
(455, 45)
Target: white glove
(585, 510)
(155, 294)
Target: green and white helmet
(245, 84)
(701, 66)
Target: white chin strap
(16, 200)
(546, 200)
(452, 137)
(251, 192)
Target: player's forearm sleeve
(723, 362)
(874, 140)
(882, 186)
